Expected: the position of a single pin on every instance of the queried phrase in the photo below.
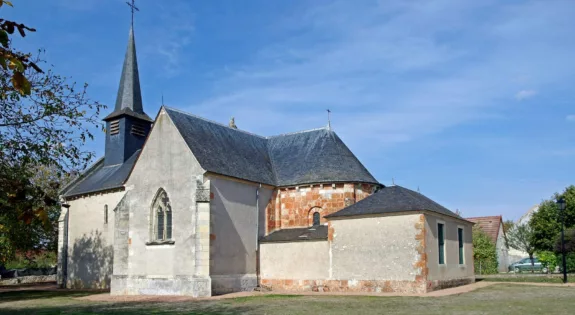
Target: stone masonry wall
(294, 206)
(390, 256)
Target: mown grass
(533, 279)
(495, 299)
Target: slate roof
(393, 199)
(129, 99)
(100, 177)
(315, 156)
(307, 157)
(223, 150)
(298, 234)
(490, 225)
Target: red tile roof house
(493, 227)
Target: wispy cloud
(402, 70)
(570, 118)
(525, 94)
(170, 40)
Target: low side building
(395, 240)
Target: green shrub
(484, 253)
(548, 259)
(41, 260)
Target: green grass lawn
(528, 278)
(496, 299)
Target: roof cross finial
(133, 8)
(328, 119)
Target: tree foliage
(12, 61)
(507, 225)
(484, 252)
(546, 222)
(44, 122)
(520, 237)
(569, 242)
(548, 260)
(38, 232)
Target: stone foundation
(222, 284)
(28, 279)
(345, 285)
(433, 285)
(144, 285)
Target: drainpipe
(258, 235)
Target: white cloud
(397, 71)
(570, 118)
(525, 94)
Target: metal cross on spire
(134, 8)
(328, 119)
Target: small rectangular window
(105, 214)
(441, 243)
(460, 240)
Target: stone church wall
(293, 207)
(365, 254)
(234, 226)
(451, 273)
(180, 268)
(90, 240)
(300, 260)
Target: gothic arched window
(316, 219)
(161, 217)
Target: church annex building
(180, 205)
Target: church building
(181, 205)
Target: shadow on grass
(23, 295)
(132, 308)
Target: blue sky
(471, 101)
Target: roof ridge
(213, 121)
(486, 216)
(297, 132)
(411, 192)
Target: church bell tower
(128, 125)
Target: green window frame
(441, 242)
(460, 241)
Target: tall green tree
(520, 237)
(507, 225)
(484, 252)
(546, 222)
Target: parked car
(524, 265)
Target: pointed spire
(129, 99)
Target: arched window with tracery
(316, 220)
(161, 217)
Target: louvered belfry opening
(115, 127)
(138, 129)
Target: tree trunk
(532, 263)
